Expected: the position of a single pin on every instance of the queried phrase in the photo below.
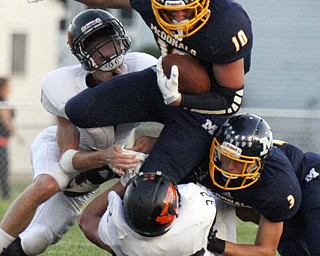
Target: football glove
(130, 173)
(215, 244)
(168, 87)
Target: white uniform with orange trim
(188, 234)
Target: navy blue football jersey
(225, 38)
(276, 195)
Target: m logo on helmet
(170, 209)
(266, 144)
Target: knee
(44, 187)
(37, 241)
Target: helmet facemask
(239, 151)
(186, 28)
(94, 58)
(247, 167)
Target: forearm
(227, 101)
(84, 161)
(92, 214)
(247, 250)
(266, 243)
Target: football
(193, 77)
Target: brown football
(193, 77)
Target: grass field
(75, 243)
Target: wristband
(66, 161)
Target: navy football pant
(185, 139)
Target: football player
(156, 217)
(272, 183)
(218, 33)
(61, 152)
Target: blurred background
(282, 86)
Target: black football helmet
(150, 203)
(91, 30)
(186, 28)
(244, 139)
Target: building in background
(283, 82)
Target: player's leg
(182, 145)
(52, 220)
(310, 206)
(20, 213)
(133, 97)
(45, 159)
(292, 242)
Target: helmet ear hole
(150, 203)
(90, 31)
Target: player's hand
(144, 144)
(168, 87)
(215, 244)
(119, 159)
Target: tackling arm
(92, 214)
(267, 240)
(68, 138)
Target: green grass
(75, 243)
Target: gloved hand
(215, 244)
(130, 173)
(168, 87)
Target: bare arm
(230, 75)
(68, 137)
(107, 3)
(266, 243)
(92, 214)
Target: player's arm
(228, 98)
(107, 3)
(92, 214)
(266, 243)
(73, 160)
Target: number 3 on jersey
(239, 40)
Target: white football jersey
(62, 84)
(187, 235)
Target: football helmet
(151, 203)
(89, 32)
(239, 151)
(186, 28)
